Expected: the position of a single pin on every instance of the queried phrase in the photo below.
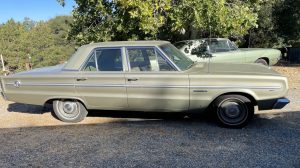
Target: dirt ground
(14, 115)
(31, 137)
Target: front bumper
(272, 104)
(280, 103)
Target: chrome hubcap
(69, 107)
(231, 109)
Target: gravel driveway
(31, 137)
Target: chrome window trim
(96, 62)
(168, 59)
(124, 59)
(156, 50)
(127, 60)
(94, 51)
(86, 60)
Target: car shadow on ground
(207, 119)
(27, 108)
(35, 109)
(130, 117)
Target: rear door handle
(81, 79)
(132, 79)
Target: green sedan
(148, 76)
(224, 50)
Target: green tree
(265, 35)
(28, 23)
(278, 25)
(287, 18)
(103, 20)
(38, 43)
(46, 43)
(10, 42)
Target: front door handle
(81, 79)
(132, 79)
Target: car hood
(232, 69)
(41, 71)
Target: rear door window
(105, 60)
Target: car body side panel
(229, 57)
(102, 90)
(252, 54)
(224, 57)
(38, 89)
(205, 88)
(160, 91)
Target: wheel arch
(264, 58)
(247, 95)
(52, 99)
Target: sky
(36, 10)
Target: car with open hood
(147, 76)
(224, 50)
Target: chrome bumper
(280, 103)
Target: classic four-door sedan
(224, 50)
(147, 76)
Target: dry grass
(292, 72)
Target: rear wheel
(233, 110)
(262, 61)
(69, 110)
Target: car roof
(75, 62)
(127, 43)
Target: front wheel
(69, 110)
(233, 110)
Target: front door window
(147, 59)
(108, 59)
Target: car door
(102, 82)
(153, 84)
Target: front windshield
(177, 56)
(221, 46)
(218, 46)
(232, 45)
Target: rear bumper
(272, 104)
